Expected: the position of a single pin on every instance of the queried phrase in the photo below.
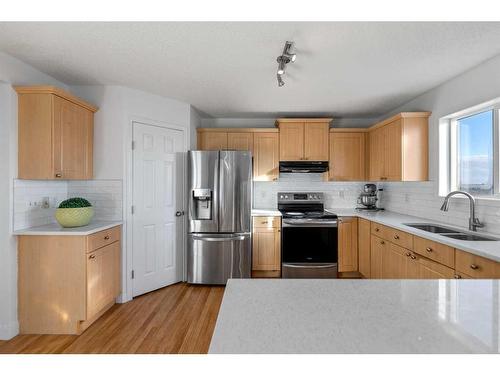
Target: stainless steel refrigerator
(220, 199)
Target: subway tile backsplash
(105, 196)
(418, 199)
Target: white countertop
(358, 316)
(265, 212)
(56, 230)
(487, 249)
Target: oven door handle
(323, 224)
(310, 266)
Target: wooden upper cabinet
(348, 244)
(212, 140)
(347, 155)
(292, 141)
(399, 148)
(55, 134)
(316, 140)
(240, 141)
(266, 157)
(303, 139)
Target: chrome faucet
(474, 222)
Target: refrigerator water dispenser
(202, 204)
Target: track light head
(286, 57)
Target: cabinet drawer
(266, 221)
(476, 266)
(433, 250)
(103, 238)
(395, 236)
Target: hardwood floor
(176, 319)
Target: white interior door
(158, 170)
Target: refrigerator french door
(219, 240)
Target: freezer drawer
(213, 258)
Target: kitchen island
(358, 316)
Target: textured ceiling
(229, 69)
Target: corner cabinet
(266, 246)
(399, 148)
(348, 155)
(67, 282)
(303, 139)
(56, 132)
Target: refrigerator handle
(219, 239)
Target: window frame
(450, 145)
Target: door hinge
(133, 145)
(133, 274)
(132, 209)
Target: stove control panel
(300, 197)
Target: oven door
(309, 249)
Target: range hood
(303, 166)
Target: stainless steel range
(309, 237)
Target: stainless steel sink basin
(468, 237)
(432, 228)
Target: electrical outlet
(341, 194)
(45, 202)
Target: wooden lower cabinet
(266, 247)
(476, 266)
(394, 262)
(348, 244)
(364, 247)
(377, 248)
(64, 285)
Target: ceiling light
(286, 57)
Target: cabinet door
(392, 151)
(428, 269)
(377, 248)
(348, 245)
(103, 278)
(364, 247)
(316, 141)
(240, 141)
(73, 138)
(212, 141)
(291, 141)
(347, 156)
(376, 140)
(266, 157)
(266, 249)
(394, 262)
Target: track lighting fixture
(286, 57)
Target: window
(472, 149)
(475, 153)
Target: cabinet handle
(408, 254)
(396, 237)
(382, 242)
(106, 237)
(275, 179)
(377, 230)
(263, 222)
(474, 266)
(413, 257)
(457, 276)
(58, 175)
(92, 256)
(428, 249)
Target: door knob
(179, 213)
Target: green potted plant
(74, 212)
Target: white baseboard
(9, 330)
(123, 298)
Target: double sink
(449, 232)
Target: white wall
(12, 72)
(118, 107)
(195, 122)
(473, 87)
